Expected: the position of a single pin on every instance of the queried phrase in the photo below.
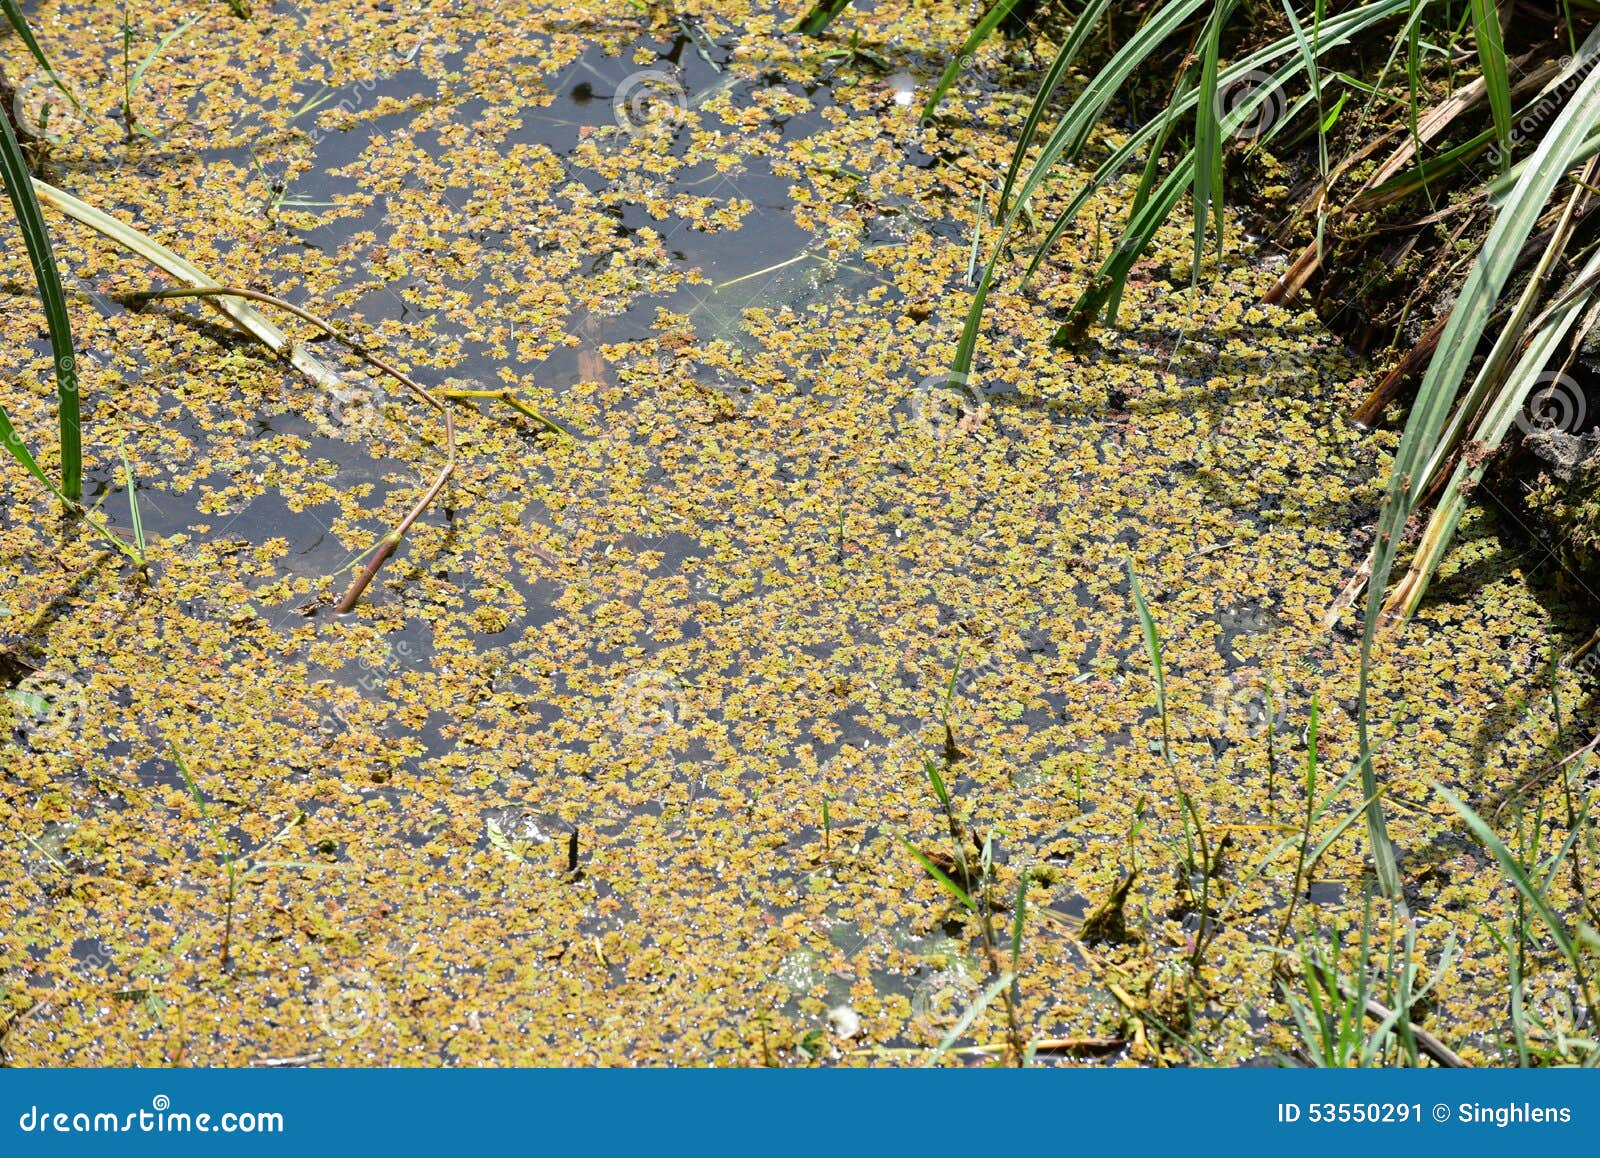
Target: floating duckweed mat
(618, 759)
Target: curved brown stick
(1395, 381)
(362, 352)
(392, 540)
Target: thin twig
(1380, 1013)
(392, 540)
(361, 351)
(1426, 1042)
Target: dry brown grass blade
(1430, 125)
(1348, 594)
(1411, 364)
(246, 317)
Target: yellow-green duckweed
(733, 603)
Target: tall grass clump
(1395, 108)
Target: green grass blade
(1284, 846)
(1308, 58)
(155, 54)
(20, 452)
(1515, 871)
(941, 876)
(1020, 922)
(994, 989)
(1503, 184)
(1208, 139)
(822, 14)
(1152, 647)
(991, 20)
(1335, 833)
(1069, 137)
(30, 218)
(1081, 31)
(1496, 74)
(1151, 214)
(1112, 276)
(1508, 404)
(1335, 31)
(24, 457)
(133, 505)
(950, 688)
(967, 346)
(1579, 828)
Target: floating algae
(733, 602)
